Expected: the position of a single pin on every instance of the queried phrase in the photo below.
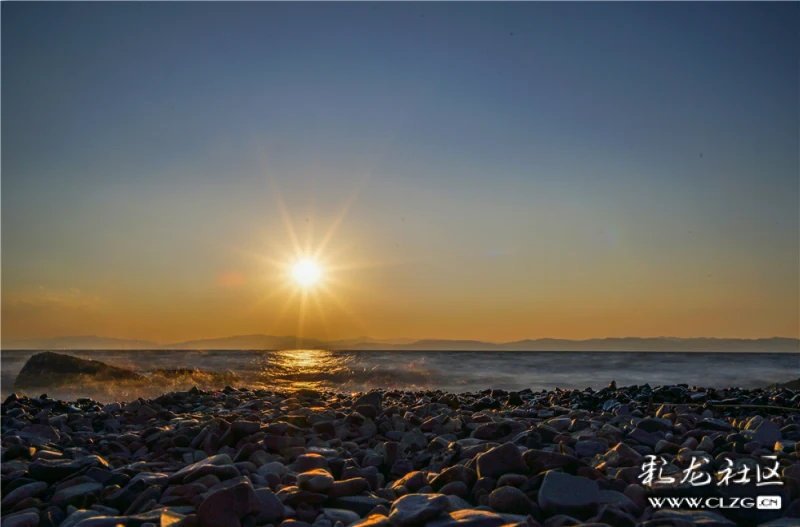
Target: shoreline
(110, 376)
(247, 458)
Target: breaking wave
(168, 370)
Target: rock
(28, 519)
(468, 518)
(682, 517)
(76, 517)
(282, 443)
(460, 473)
(623, 455)
(372, 399)
(316, 480)
(492, 431)
(294, 496)
(413, 481)
(782, 522)
(511, 500)
(664, 446)
(620, 501)
(562, 493)
(361, 505)
(562, 520)
(49, 370)
(714, 424)
(270, 507)
(40, 432)
(706, 445)
(767, 433)
(457, 504)
(343, 515)
(415, 509)
(543, 460)
(272, 467)
(52, 470)
(75, 495)
(348, 487)
(589, 448)
(367, 429)
(501, 460)
(414, 439)
(653, 424)
(637, 494)
(195, 469)
(308, 462)
(20, 493)
(226, 506)
(373, 520)
(644, 438)
(151, 478)
(559, 424)
(171, 519)
(455, 488)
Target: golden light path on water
(340, 371)
(308, 369)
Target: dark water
(452, 371)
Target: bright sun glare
(306, 273)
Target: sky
(492, 171)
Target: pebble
(510, 499)
(500, 460)
(767, 433)
(563, 493)
(413, 510)
(468, 518)
(316, 480)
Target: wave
(166, 370)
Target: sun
(306, 273)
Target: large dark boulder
(791, 385)
(49, 370)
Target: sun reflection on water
(303, 360)
(307, 368)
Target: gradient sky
(482, 171)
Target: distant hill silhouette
(84, 342)
(271, 342)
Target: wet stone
(415, 509)
(468, 518)
(361, 505)
(373, 520)
(767, 433)
(501, 460)
(567, 494)
(316, 480)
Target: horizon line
(411, 339)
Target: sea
(453, 371)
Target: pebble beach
(237, 457)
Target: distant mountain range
(86, 342)
(270, 342)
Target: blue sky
(514, 169)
